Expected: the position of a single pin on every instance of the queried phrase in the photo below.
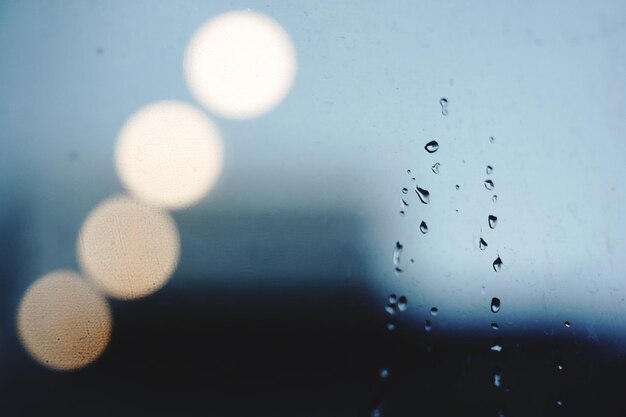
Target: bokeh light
(169, 154)
(127, 248)
(240, 64)
(62, 322)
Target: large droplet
(405, 190)
(434, 311)
(423, 194)
(482, 244)
(489, 169)
(444, 106)
(393, 299)
(495, 304)
(403, 303)
(497, 264)
(435, 168)
(432, 146)
(489, 184)
(493, 221)
(397, 252)
(423, 227)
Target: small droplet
(393, 298)
(494, 198)
(405, 190)
(489, 169)
(497, 377)
(497, 264)
(496, 346)
(560, 367)
(408, 171)
(482, 244)
(397, 252)
(492, 139)
(493, 221)
(568, 324)
(403, 203)
(376, 412)
(458, 187)
(402, 212)
(402, 303)
(559, 403)
(423, 227)
(384, 373)
(495, 305)
(495, 326)
(489, 184)
(423, 194)
(435, 168)
(398, 270)
(390, 309)
(444, 106)
(434, 311)
(391, 326)
(427, 326)
(432, 146)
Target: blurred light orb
(169, 154)
(127, 248)
(62, 322)
(240, 64)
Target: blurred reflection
(62, 322)
(129, 249)
(169, 154)
(240, 64)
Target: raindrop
(376, 413)
(398, 271)
(401, 212)
(495, 305)
(408, 171)
(432, 146)
(568, 324)
(489, 169)
(497, 264)
(494, 198)
(435, 168)
(492, 139)
(497, 345)
(482, 244)
(403, 203)
(489, 184)
(405, 190)
(391, 326)
(393, 299)
(559, 403)
(402, 303)
(458, 187)
(560, 367)
(427, 326)
(384, 373)
(423, 227)
(397, 252)
(493, 221)
(495, 326)
(434, 311)
(391, 309)
(444, 106)
(497, 378)
(423, 194)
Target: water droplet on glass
(423, 227)
(444, 106)
(434, 311)
(497, 378)
(397, 252)
(435, 168)
(384, 373)
(492, 139)
(423, 194)
(482, 244)
(489, 184)
(432, 146)
(494, 198)
(376, 413)
(391, 309)
(497, 345)
(405, 190)
(402, 212)
(393, 298)
(427, 326)
(408, 171)
(391, 326)
(568, 324)
(403, 203)
(458, 187)
(398, 270)
(497, 264)
(402, 303)
(489, 169)
(495, 326)
(559, 403)
(560, 367)
(495, 305)
(493, 221)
